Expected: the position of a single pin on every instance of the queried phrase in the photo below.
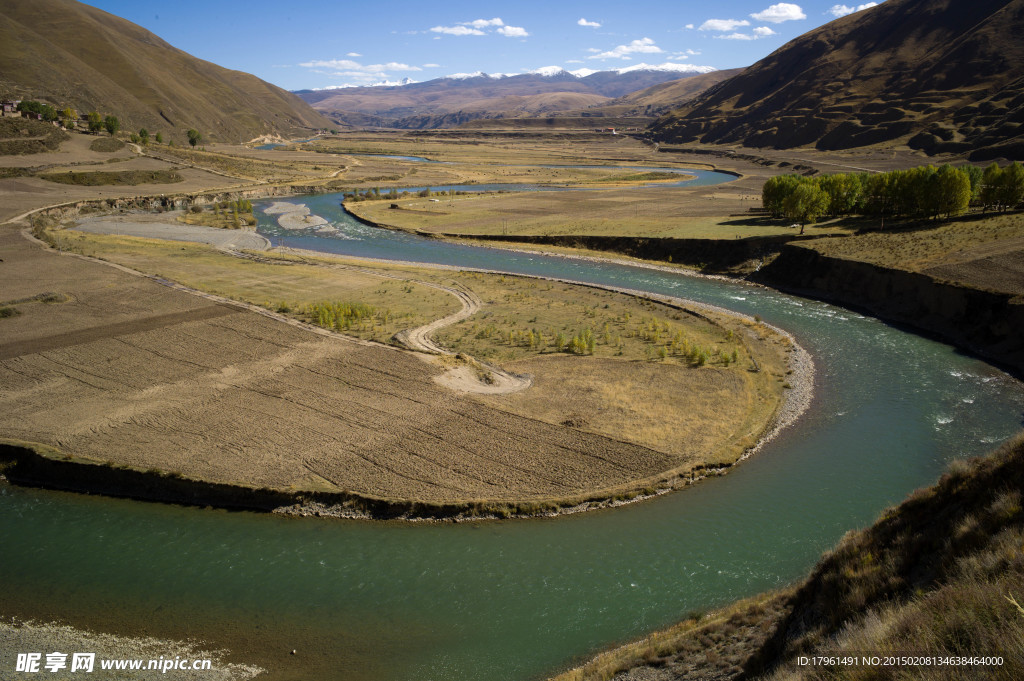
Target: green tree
(95, 122)
(953, 191)
(49, 113)
(805, 204)
(194, 136)
(1011, 186)
(919, 191)
(844, 193)
(144, 136)
(973, 173)
(775, 191)
(30, 106)
(68, 116)
(991, 183)
(112, 125)
(159, 138)
(879, 190)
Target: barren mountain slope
(941, 75)
(67, 53)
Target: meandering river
(517, 600)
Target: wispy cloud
(457, 30)
(643, 45)
(763, 31)
(353, 54)
(362, 74)
(483, 23)
(843, 10)
(431, 66)
(584, 22)
(723, 24)
(690, 26)
(783, 11)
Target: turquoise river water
(517, 600)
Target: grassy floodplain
(602, 362)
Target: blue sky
(299, 44)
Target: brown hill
(939, 75)
(67, 53)
(659, 99)
(672, 94)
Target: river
(517, 600)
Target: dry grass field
(979, 251)
(136, 374)
(289, 287)
(526, 326)
(647, 212)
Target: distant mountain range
(937, 75)
(67, 53)
(449, 101)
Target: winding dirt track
(461, 378)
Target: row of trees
(375, 194)
(922, 192)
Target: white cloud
(584, 22)
(644, 45)
(431, 66)
(364, 74)
(693, 52)
(513, 31)
(762, 31)
(723, 24)
(483, 23)
(688, 26)
(843, 10)
(783, 11)
(573, 61)
(736, 36)
(476, 27)
(457, 30)
(353, 54)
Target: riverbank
(936, 575)
(985, 320)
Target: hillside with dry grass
(942, 76)
(71, 54)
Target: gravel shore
(163, 226)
